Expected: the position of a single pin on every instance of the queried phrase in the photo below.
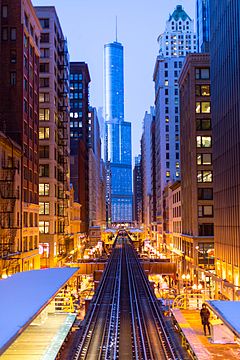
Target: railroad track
(124, 320)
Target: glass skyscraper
(203, 25)
(118, 146)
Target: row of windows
(76, 124)
(76, 86)
(177, 211)
(76, 95)
(76, 76)
(177, 174)
(76, 115)
(30, 219)
(9, 34)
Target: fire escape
(9, 223)
(63, 148)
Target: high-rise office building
(79, 165)
(197, 204)
(19, 121)
(177, 40)
(146, 152)
(225, 95)
(203, 25)
(54, 140)
(118, 151)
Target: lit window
(43, 208)
(44, 133)
(204, 141)
(204, 176)
(167, 173)
(44, 227)
(166, 83)
(198, 107)
(44, 114)
(44, 189)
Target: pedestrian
(205, 314)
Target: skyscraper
(118, 150)
(225, 96)
(177, 40)
(203, 25)
(79, 108)
(54, 139)
(19, 122)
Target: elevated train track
(124, 320)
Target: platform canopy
(228, 312)
(24, 295)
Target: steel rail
(114, 317)
(135, 314)
(145, 341)
(167, 345)
(80, 351)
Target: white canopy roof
(228, 312)
(24, 295)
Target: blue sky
(89, 24)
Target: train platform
(36, 313)
(200, 346)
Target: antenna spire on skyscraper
(116, 30)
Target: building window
(44, 68)
(44, 53)
(4, 11)
(204, 176)
(202, 90)
(44, 23)
(44, 227)
(43, 208)
(4, 33)
(202, 73)
(204, 141)
(44, 82)
(44, 38)
(44, 189)
(203, 124)
(204, 159)
(13, 34)
(13, 78)
(25, 106)
(44, 133)
(44, 114)
(44, 170)
(167, 174)
(44, 98)
(13, 57)
(43, 152)
(205, 211)
(203, 107)
(206, 230)
(205, 194)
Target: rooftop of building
(179, 14)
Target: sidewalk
(215, 351)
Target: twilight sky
(89, 24)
